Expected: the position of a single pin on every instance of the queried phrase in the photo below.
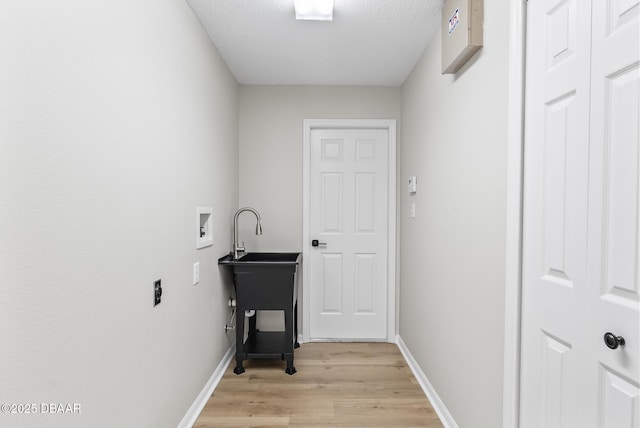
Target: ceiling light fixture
(314, 10)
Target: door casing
(513, 256)
(390, 126)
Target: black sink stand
(266, 286)
(266, 344)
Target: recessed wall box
(462, 22)
(204, 227)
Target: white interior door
(348, 216)
(581, 237)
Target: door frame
(390, 126)
(514, 213)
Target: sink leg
(253, 321)
(290, 368)
(296, 345)
(289, 344)
(239, 341)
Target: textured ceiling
(369, 42)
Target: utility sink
(261, 258)
(271, 257)
(265, 281)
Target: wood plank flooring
(337, 384)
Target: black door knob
(612, 341)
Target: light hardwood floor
(337, 384)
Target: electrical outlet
(196, 273)
(157, 292)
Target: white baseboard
(201, 400)
(437, 404)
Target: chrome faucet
(238, 250)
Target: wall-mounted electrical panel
(462, 22)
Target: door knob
(316, 243)
(612, 341)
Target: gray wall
(117, 119)
(271, 149)
(271, 154)
(454, 139)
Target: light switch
(196, 273)
(413, 184)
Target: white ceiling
(369, 42)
